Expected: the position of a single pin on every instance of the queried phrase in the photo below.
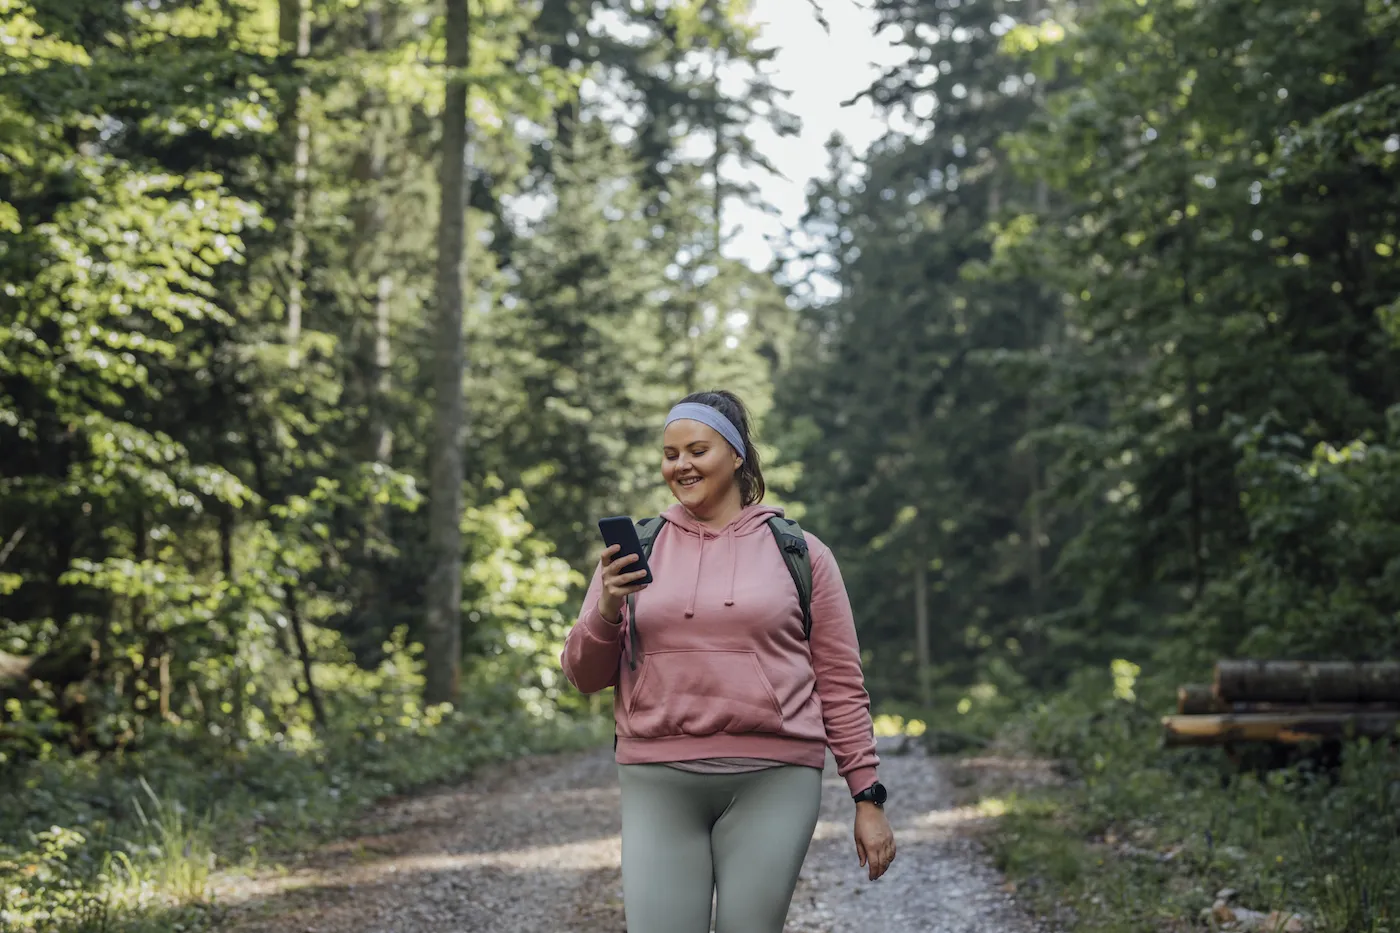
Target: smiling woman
(726, 700)
(707, 436)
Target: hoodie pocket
(702, 692)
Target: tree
(444, 625)
(918, 381)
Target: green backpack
(791, 541)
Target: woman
(724, 709)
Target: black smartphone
(619, 529)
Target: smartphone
(619, 529)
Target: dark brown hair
(750, 472)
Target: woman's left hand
(874, 839)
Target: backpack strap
(647, 530)
(793, 543)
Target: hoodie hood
(751, 519)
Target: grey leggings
(739, 837)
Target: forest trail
(532, 847)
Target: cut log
(1307, 681)
(1288, 728)
(1197, 698)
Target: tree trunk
(1036, 566)
(444, 626)
(921, 633)
(381, 435)
(375, 290)
(8, 545)
(1195, 492)
(294, 35)
(318, 709)
(1307, 682)
(165, 688)
(376, 285)
(226, 523)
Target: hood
(750, 519)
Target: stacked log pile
(1287, 702)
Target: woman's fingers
(614, 580)
(614, 567)
(625, 579)
(624, 584)
(886, 857)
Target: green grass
(128, 844)
(1138, 838)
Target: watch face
(879, 794)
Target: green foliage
(1220, 277)
(518, 592)
(1320, 577)
(212, 516)
(1139, 837)
(913, 397)
(39, 889)
(1113, 364)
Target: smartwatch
(875, 794)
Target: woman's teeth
(691, 481)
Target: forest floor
(532, 847)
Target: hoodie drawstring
(733, 568)
(699, 562)
(753, 519)
(695, 589)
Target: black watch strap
(875, 794)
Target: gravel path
(532, 847)
(940, 881)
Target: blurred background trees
(1092, 354)
(1092, 358)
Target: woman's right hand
(618, 583)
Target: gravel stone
(533, 847)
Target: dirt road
(532, 847)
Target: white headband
(713, 417)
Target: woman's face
(698, 464)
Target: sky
(820, 70)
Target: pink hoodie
(722, 669)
